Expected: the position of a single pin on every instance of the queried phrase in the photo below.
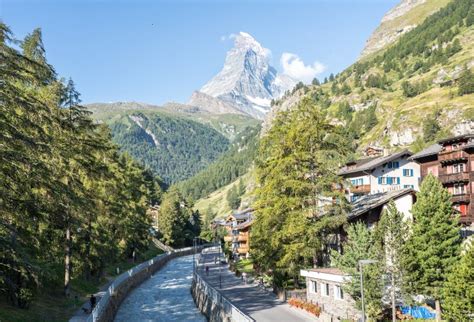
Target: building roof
(431, 150)
(369, 202)
(371, 163)
(326, 270)
(245, 224)
(456, 138)
(242, 215)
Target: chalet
(324, 286)
(378, 174)
(238, 227)
(452, 161)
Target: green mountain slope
(173, 148)
(409, 93)
(228, 125)
(230, 165)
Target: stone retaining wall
(105, 311)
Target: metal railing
(103, 303)
(229, 309)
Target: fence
(225, 305)
(117, 291)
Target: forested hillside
(231, 165)
(70, 203)
(410, 93)
(173, 148)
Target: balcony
(461, 198)
(454, 177)
(364, 188)
(452, 156)
(243, 238)
(243, 250)
(228, 238)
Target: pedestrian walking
(92, 301)
(207, 270)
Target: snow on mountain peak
(247, 80)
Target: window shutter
(380, 180)
(398, 180)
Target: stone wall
(332, 309)
(108, 305)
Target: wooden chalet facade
(452, 161)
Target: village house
(324, 286)
(378, 174)
(452, 161)
(238, 227)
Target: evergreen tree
(362, 244)
(459, 288)
(233, 197)
(391, 232)
(316, 81)
(432, 247)
(296, 171)
(466, 82)
(173, 218)
(431, 128)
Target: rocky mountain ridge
(247, 81)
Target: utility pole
(394, 310)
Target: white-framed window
(338, 294)
(325, 289)
(314, 287)
(357, 182)
(408, 172)
(393, 165)
(458, 167)
(459, 189)
(405, 186)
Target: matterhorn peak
(247, 81)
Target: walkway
(258, 303)
(166, 296)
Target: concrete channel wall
(108, 305)
(215, 306)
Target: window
(389, 180)
(314, 287)
(357, 182)
(406, 186)
(393, 165)
(325, 289)
(338, 292)
(459, 167)
(408, 172)
(459, 189)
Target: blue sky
(160, 51)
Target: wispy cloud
(294, 67)
(227, 37)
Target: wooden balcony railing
(243, 250)
(228, 238)
(461, 198)
(447, 156)
(454, 177)
(242, 238)
(364, 188)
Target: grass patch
(245, 266)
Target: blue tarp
(418, 312)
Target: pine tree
(459, 288)
(466, 83)
(432, 247)
(391, 232)
(315, 82)
(172, 218)
(362, 244)
(296, 171)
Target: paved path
(260, 304)
(166, 296)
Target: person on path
(92, 301)
(207, 270)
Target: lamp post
(219, 263)
(363, 262)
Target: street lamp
(219, 263)
(363, 262)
